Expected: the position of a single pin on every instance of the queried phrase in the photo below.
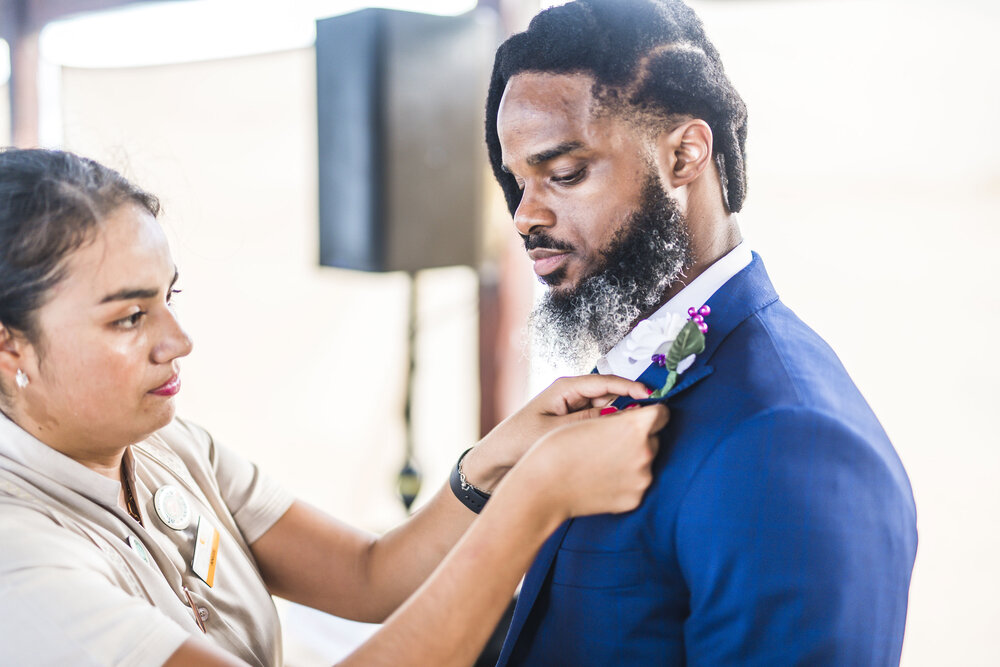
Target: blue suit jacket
(779, 529)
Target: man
(780, 527)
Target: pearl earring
(21, 379)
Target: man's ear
(685, 152)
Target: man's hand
(565, 401)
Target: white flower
(651, 337)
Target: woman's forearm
(351, 573)
(451, 616)
(448, 621)
(354, 574)
(402, 559)
(580, 469)
(398, 562)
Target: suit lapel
(744, 294)
(655, 376)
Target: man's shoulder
(775, 360)
(779, 397)
(763, 356)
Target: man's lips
(547, 260)
(168, 388)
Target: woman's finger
(591, 412)
(661, 415)
(576, 393)
(601, 401)
(651, 418)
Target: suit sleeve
(796, 539)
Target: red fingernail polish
(650, 391)
(631, 405)
(609, 410)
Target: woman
(128, 535)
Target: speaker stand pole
(409, 477)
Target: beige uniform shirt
(73, 589)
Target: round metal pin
(172, 508)
(139, 550)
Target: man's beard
(649, 253)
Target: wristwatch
(472, 497)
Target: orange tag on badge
(206, 551)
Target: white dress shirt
(618, 362)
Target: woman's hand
(596, 466)
(567, 400)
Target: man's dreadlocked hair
(650, 58)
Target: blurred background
(874, 158)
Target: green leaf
(667, 386)
(689, 341)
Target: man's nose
(532, 213)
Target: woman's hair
(51, 203)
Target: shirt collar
(694, 295)
(20, 446)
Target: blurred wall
(4, 93)
(4, 115)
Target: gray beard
(650, 252)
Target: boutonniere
(671, 343)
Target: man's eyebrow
(552, 153)
(129, 293)
(546, 155)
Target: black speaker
(400, 99)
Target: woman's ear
(10, 351)
(684, 153)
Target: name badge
(206, 551)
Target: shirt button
(203, 614)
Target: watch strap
(470, 496)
